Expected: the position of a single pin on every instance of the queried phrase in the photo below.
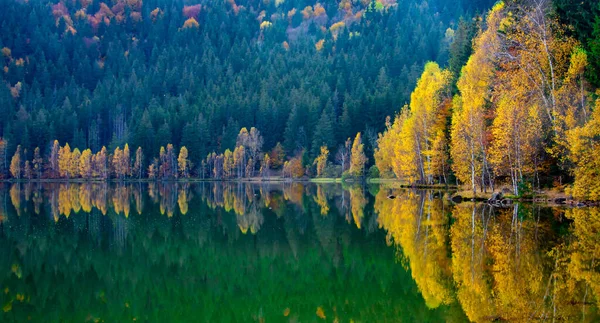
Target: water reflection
(519, 263)
(289, 251)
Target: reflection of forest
(80, 251)
(498, 263)
(520, 263)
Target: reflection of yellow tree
(517, 269)
(417, 225)
(321, 200)
(120, 199)
(99, 197)
(167, 199)
(469, 262)
(85, 198)
(293, 192)
(138, 197)
(15, 197)
(503, 272)
(64, 202)
(585, 257)
(357, 204)
(252, 220)
(182, 199)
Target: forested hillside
(426, 92)
(523, 112)
(97, 73)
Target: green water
(230, 252)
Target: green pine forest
(168, 89)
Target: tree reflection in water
(249, 252)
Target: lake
(279, 252)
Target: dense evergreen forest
(92, 73)
(440, 91)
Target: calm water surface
(231, 252)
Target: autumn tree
(85, 164)
(277, 156)
(469, 140)
(239, 160)
(100, 164)
(28, 171)
(126, 161)
(138, 165)
(117, 163)
(293, 168)
(37, 162)
(74, 163)
(342, 156)
(265, 166)
(64, 161)
(357, 157)
(321, 161)
(584, 149)
(15, 164)
(228, 164)
(252, 141)
(183, 162)
(410, 143)
(53, 160)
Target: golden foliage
(469, 148)
(6, 52)
(584, 149)
(418, 226)
(319, 45)
(154, 14)
(265, 24)
(321, 160)
(413, 147)
(357, 157)
(318, 10)
(307, 12)
(191, 23)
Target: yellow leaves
(318, 10)
(307, 12)
(321, 160)
(319, 45)
(6, 52)
(154, 14)
(286, 312)
(80, 14)
(321, 313)
(578, 64)
(191, 23)
(291, 14)
(406, 147)
(405, 218)
(15, 91)
(265, 24)
(584, 149)
(335, 28)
